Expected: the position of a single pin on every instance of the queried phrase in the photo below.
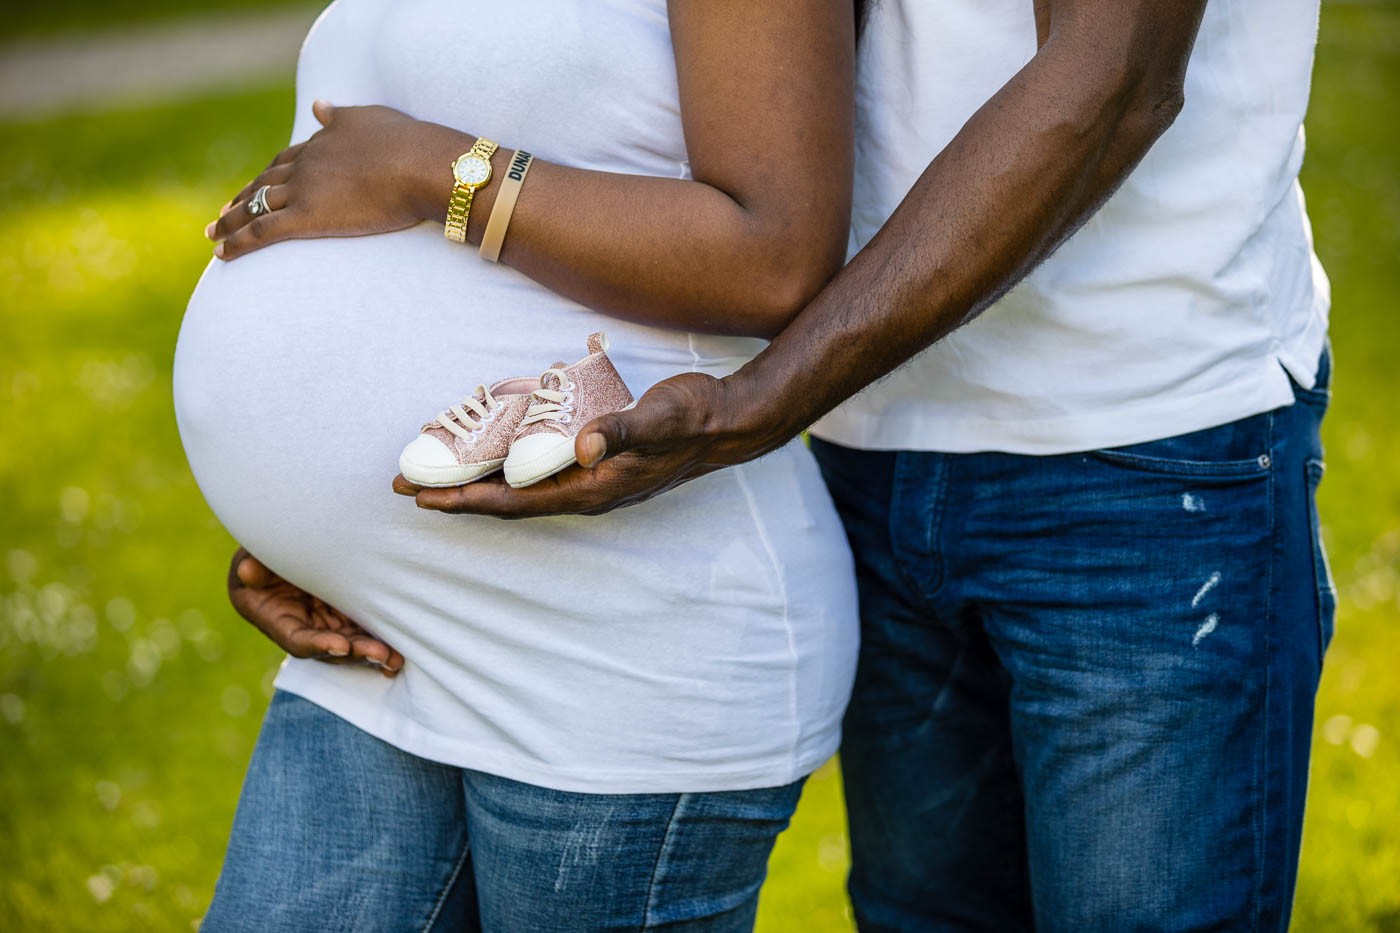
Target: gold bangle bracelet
(495, 235)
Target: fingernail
(209, 230)
(594, 448)
(219, 251)
(336, 654)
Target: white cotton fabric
(702, 641)
(1185, 303)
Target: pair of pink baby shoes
(524, 425)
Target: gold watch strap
(459, 207)
(458, 210)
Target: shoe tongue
(550, 380)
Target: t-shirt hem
(406, 734)
(1301, 355)
(1149, 420)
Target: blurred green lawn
(130, 695)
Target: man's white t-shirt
(1185, 303)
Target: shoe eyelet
(566, 419)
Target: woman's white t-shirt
(704, 640)
(1186, 302)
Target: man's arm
(1030, 167)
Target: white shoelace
(555, 404)
(456, 419)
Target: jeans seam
(661, 850)
(447, 888)
(1324, 586)
(923, 587)
(940, 526)
(1262, 777)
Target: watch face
(471, 170)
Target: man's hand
(299, 623)
(684, 427)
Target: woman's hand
(299, 623)
(361, 173)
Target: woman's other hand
(352, 178)
(299, 623)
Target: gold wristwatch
(471, 171)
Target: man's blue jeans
(1086, 682)
(337, 830)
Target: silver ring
(257, 204)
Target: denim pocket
(1238, 450)
(1322, 570)
(1205, 469)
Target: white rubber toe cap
(428, 462)
(536, 456)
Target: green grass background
(130, 694)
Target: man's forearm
(1024, 173)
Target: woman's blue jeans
(339, 831)
(1085, 692)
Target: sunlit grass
(130, 695)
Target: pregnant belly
(303, 369)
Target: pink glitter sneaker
(568, 398)
(471, 439)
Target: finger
(368, 648)
(404, 488)
(286, 156)
(285, 621)
(263, 230)
(276, 173)
(234, 582)
(283, 159)
(364, 646)
(323, 111)
(256, 575)
(651, 422)
(240, 197)
(314, 643)
(485, 497)
(237, 215)
(570, 492)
